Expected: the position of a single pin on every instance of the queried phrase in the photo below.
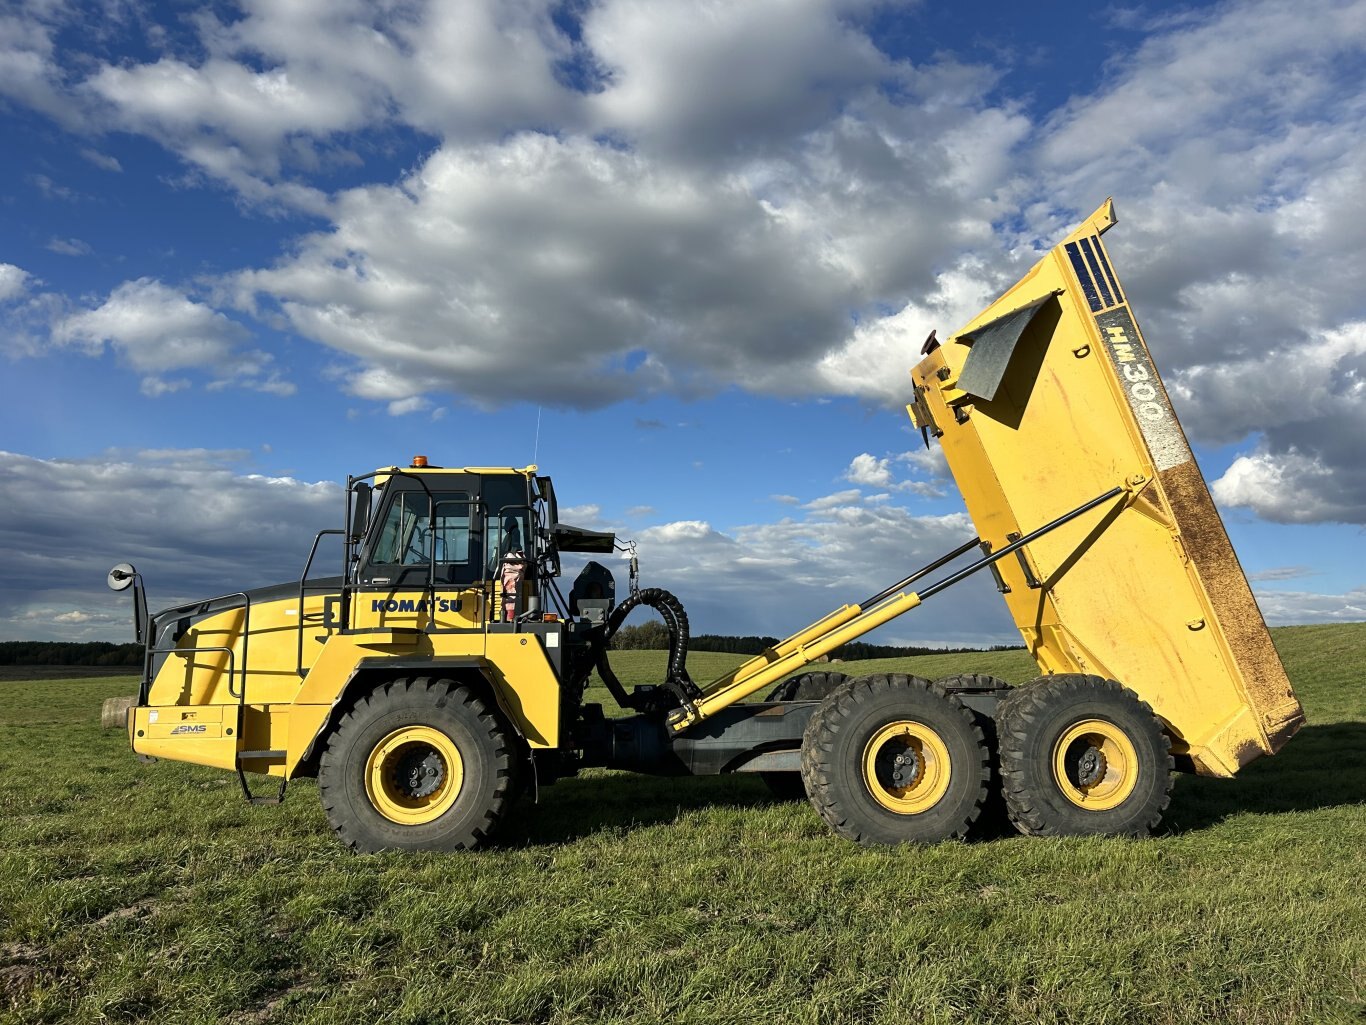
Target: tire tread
(406, 691)
(819, 741)
(1017, 719)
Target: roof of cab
(383, 474)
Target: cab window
(407, 536)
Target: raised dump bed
(1049, 398)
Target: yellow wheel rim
(1095, 765)
(414, 775)
(906, 767)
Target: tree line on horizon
(69, 653)
(654, 635)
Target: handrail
(232, 662)
(246, 638)
(303, 585)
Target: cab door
(421, 567)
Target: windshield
(406, 537)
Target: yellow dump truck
(439, 677)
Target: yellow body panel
(204, 735)
(1145, 590)
(284, 711)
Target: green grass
(151, 892)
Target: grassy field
(132, 892)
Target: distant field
(132, 892)
(33, 673)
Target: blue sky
(246, 249)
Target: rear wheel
(815, 686)
(1083, 755)
(894, 759)
(418, 764)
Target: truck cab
(447, 571)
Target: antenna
(536, 446)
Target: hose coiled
(675, 619)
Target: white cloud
(13, 282)
(1290, 487)
(1310, 413)
(29, 73)
(155, 387)
(838, 500)
(582, 515)
(558, 270)
(402, 407)
(54, 190)
(1236, 143)
(724, 186)
(68, 246)
(1281, 573)
(706, 79)
(254, 109)
(681, 530)
(192, 522)
(103, 161)
(867, 470)
(156, 329)
(775, 578)
(1288, 608)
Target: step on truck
(439, 678)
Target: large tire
(995, 818)
(1082, 755)
(894, 759)
(815, 686)
(417, 764)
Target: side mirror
(121, 577)
(360, 509)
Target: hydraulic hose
(675, 619)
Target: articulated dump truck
(440, 678)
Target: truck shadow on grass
(576, 808)
(1321, 767)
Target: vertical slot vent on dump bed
(1094, 275)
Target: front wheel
(417, 764)
(1083, 755)
(894, 759)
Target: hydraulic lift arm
(853, 621)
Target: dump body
(1050, 397)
